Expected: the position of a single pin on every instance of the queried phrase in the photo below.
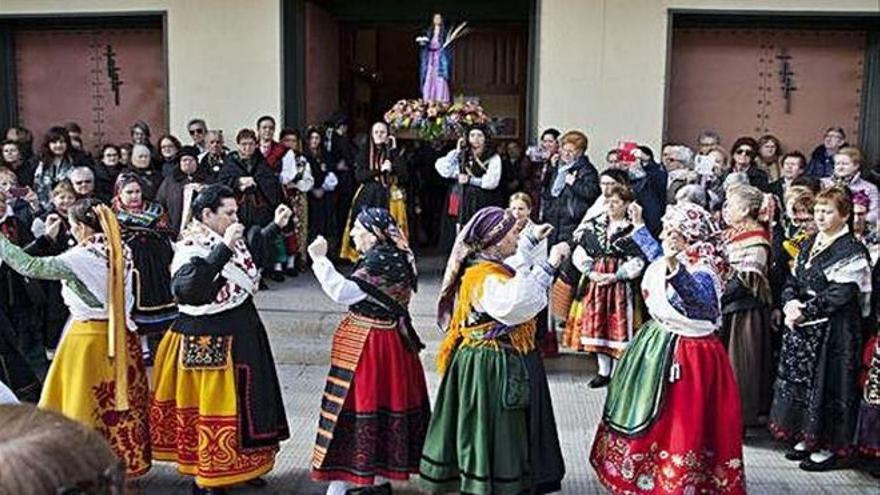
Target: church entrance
(360, 60)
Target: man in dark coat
(257, 188)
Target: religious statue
(436, 58)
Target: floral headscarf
(704, 238)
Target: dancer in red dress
(672, 421)
(375, 410)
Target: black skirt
(261, 413)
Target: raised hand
(318, 248)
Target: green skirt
(478, 440)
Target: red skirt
(381, 426)
(695, 443)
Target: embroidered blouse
(449, 167)
(82, 271)
(691, 292)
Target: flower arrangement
(432, 120)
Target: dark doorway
(361, 59)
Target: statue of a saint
(436, 58)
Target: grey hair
(82, 169)
(139, 149)
(683, 154)
(692, 193)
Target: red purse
(454, 203)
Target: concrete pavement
(301, 320)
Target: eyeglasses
(744, 151)
(193, 132)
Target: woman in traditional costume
(605, 308)
(146, 231)
(745, 304)
(97, 377)
(217, 409)
(671, 422)
(381, 172)
(375, 409)
(816, 400)
(296, 182)
(177, 190)
(493, 430)
(868, 430)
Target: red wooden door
(742, 82)
(101, 78)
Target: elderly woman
(97, 377)
(746, 301)
(571, 186)
(848, 164)
(815, 402)
(146, 231)
(142, 167)
(604, 314)
(679, 162)
(177, 190)
(381, 172)
(375, 410)
(493, 429)
(672, 420)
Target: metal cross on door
(746, 82)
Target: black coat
(256, 205)
(650, 193)
(564, 212)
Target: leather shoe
(600, 381)
(793, 454)
(829, 464)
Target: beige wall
(224, 56)
(602, 63)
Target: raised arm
(338, 288)
(198, 281)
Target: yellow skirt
(397, 208)
(194, 421)
(81, 385)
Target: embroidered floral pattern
(659, 470)
(127, 432)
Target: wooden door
(490, 64)
(749, 82)
(321, 63)
(104, 79)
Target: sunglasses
(193, 132)
(744, 151)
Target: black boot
(600, 381)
